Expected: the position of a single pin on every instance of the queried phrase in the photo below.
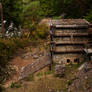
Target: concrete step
(71, 34)
(69, 42)
(68, 51)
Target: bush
(48, 72)
(39, 74)
(1, 88)
(15, 85)
(42, 31)
(7, 50)
(30, 78)
(89, 16)
(38, 31)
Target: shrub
(69, 82)
(1, 88)
(7, 49)
(38, 31)
(89, 16)
(39, 74)
(15, 85)
(42, 31)
(12, 85)
(48, 72)
(30, 78)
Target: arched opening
(68, 61)
(76, 60)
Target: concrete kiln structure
(68, 39)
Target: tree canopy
(12, 10)
(17, 10)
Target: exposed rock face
(59, 70)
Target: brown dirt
(21, 59)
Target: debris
(35, 57)
(59, 70)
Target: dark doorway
(76, 60)
(68, 61)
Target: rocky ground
(83, 80)
(76, 79)
(23, 58)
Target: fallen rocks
(59, 70)
(35, 57)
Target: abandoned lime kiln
(68, 39)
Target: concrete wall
(63, 39)
(70, 31)
(68, 47)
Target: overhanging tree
(12, 11)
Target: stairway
(35, 66)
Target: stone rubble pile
(59, 70)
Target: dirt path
(23, 59)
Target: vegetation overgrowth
(26, 14)
(9, 46)
(7, 49)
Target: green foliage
(13, 11)
(7, 50)
(1, 88)
(89, 16)
(48, 72)
(38, 31)
(15, 85)
(42, 31)
(30, 77)
(31, 14)
(39, 74)
(48, 7)
(69, 82)
(12, 85)
(56, 17)
(8, 47)
(27, 12)
(67, 1)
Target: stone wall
(62, 58)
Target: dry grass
(45, 81)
